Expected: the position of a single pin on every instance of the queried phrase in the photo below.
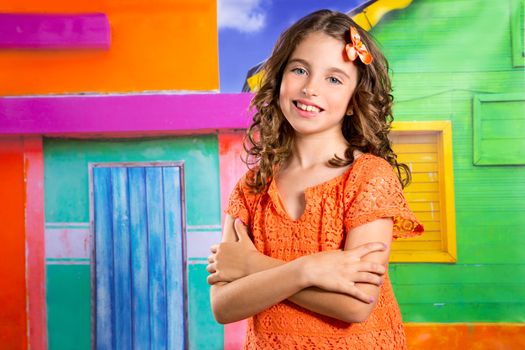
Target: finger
(212, 279)
(368, 248)
(367, 277)
(213, 248)
(241, 230)
(359, 294)
(217, 277)
(378, 269)
(211, 268)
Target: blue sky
(248, 30)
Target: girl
(308, 228)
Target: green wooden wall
(67, 201)
(442, 54)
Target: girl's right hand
(339, 271)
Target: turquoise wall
(67, 201)
(442, 54)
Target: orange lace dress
(368, 190)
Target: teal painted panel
(66, 176)
(205, 333)
(499, 129)
(68, 307)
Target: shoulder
(242, 199)
(242, 186)
(370, 171)
(369, 166)
(372, 164)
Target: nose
(309, 92)
(309, 89)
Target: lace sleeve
(378, 194)
(238, 204)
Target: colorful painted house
(118, 152)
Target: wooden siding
(436, 74)
(66, 198)
(140, 266)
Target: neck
(314, 150)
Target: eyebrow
(332, 69)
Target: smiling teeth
(308, 108)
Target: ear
(349, 109)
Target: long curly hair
(269, 138)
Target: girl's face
(317, 85)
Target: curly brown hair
(270, 137)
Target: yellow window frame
(447, 253)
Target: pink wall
(231, 170)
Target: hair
(269, 138)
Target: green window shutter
(499, 129)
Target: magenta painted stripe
(49, 31)
(123, 113)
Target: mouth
(307, 107)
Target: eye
(334, 80)
(299, 71)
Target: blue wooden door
(139, 272)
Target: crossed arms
(341, 284)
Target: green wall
(442, 54)
(66, 200)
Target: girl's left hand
(230, 260)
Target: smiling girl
(308, 229)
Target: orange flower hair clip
(357, 48)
